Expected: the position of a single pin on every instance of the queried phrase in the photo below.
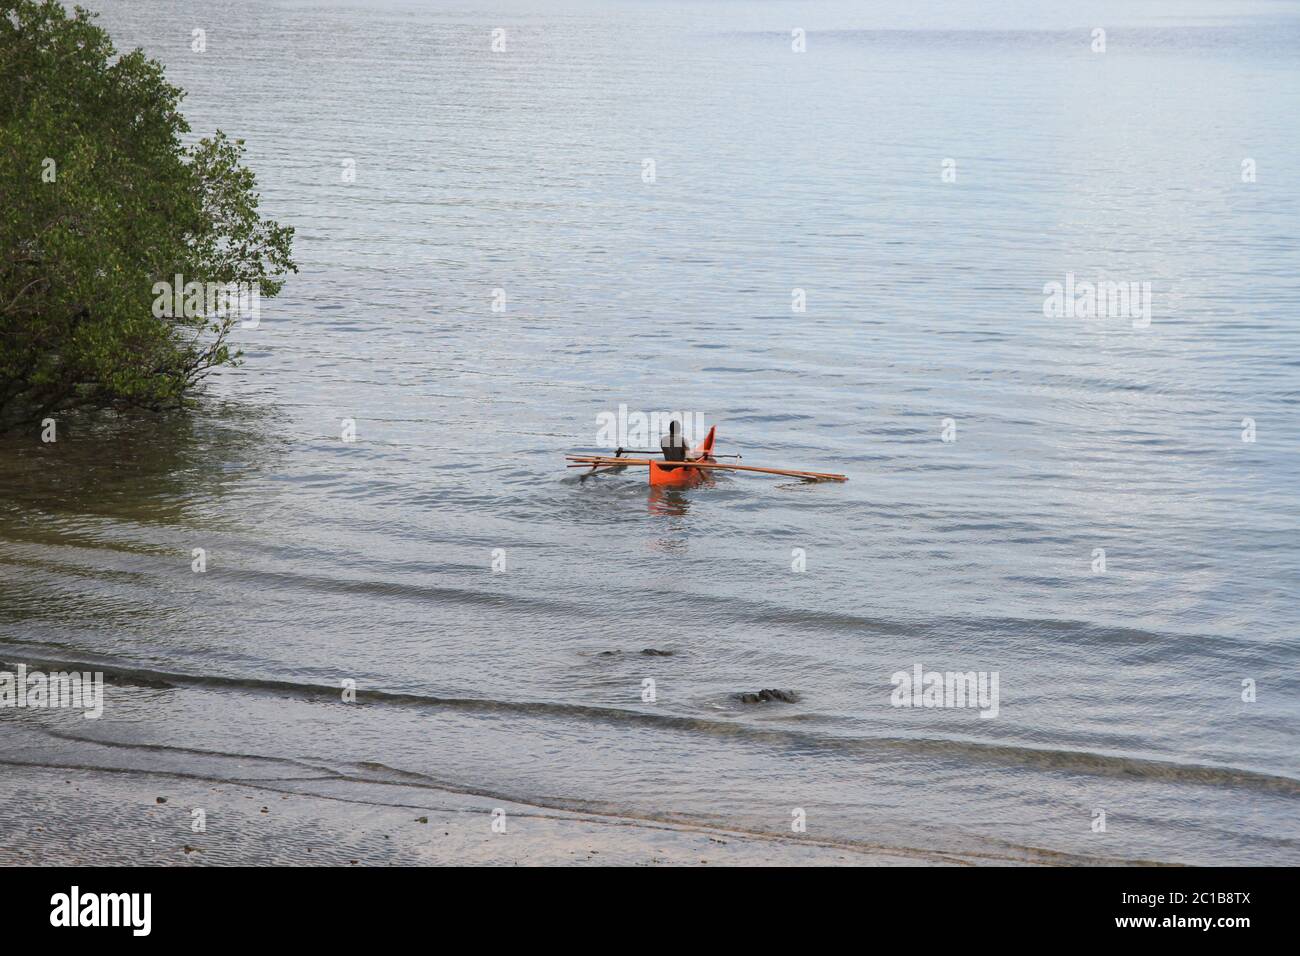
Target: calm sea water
(1120, 691)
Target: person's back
(673, 444)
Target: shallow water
(372, 560)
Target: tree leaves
(100, 200)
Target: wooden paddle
(585, 461)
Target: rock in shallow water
(768, 694)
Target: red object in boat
(680, 476)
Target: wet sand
(53, 816)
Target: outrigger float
(692, 471)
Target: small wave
(377, 778)
(1046, 759)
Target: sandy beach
(65, 817)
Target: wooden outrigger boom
(607, 461)
(691, 469)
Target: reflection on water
(147, 467)
(668, 501)
(100, 529)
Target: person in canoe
(673, 444)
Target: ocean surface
(1120, 690)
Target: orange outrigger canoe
(674, 474)
(684, 477)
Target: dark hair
(673, 425)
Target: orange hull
(684, 477)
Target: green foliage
(99, 200)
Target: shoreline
(55, 816)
